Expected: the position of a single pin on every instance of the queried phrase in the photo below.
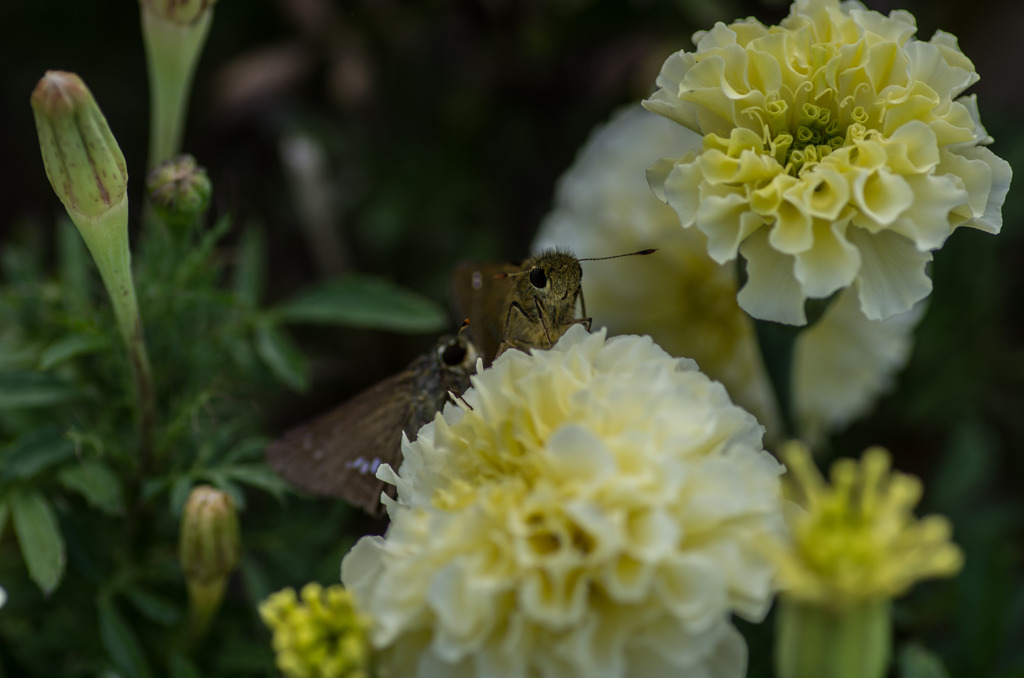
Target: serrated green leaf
(120, 642)
(249, 274)
(364, 301)
(34, 389)
(284, 358)
(916, 661)
(97, 483)
(33, 453)
(70, 346)
(42, 544)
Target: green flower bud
(82, 159)
(181, 12)
(179, 190)
(208, 549)
(209, 542)
(87, 171)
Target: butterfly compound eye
(538, 278)
(453, 354)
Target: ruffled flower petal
(838, 114)
(687, 302)
(591, 503)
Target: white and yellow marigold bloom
(837, 150)
(687, 302)
(858, 540)
(600, 511)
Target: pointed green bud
(179, 190)
(181, 12)
(209, 540)
(82, 159)
(87, 171)
(208, 549)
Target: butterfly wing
(481, 293)
(338, 453)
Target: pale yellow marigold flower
(321, 636)
(858, 540)
(599, 511)
(687, 302)
(837, 151)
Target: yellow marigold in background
(837, 150)
(687, 302)
(323, 636)
(599, 511)
(858, 540)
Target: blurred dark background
(443, 127)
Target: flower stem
(107, 241)
(777, 343)
(778, 350)
(851, 642)
(172, 52)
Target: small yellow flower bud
(322, 635)
(181, 12)
(179, 190)
(856, 544)
(208, 549)
(82, 159)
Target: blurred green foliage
(443, 128)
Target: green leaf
(284, 358)
(120, 641)
(73, 264)
(257, 475)
(42, 545)
(364, 301)
(34, 389)
(155, 608)
(223, 482)
(4, 510)
(70, 346)
(967, 465)
(95, 481)
(246, 450)
(180, 666)
(180, 490)
(33, 453)
(248, 280)
(916, 661)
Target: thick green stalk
(818, 642)
(107, 240)
(172, 53)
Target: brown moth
(523, 306)
(338, 453)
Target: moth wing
(338, 453)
